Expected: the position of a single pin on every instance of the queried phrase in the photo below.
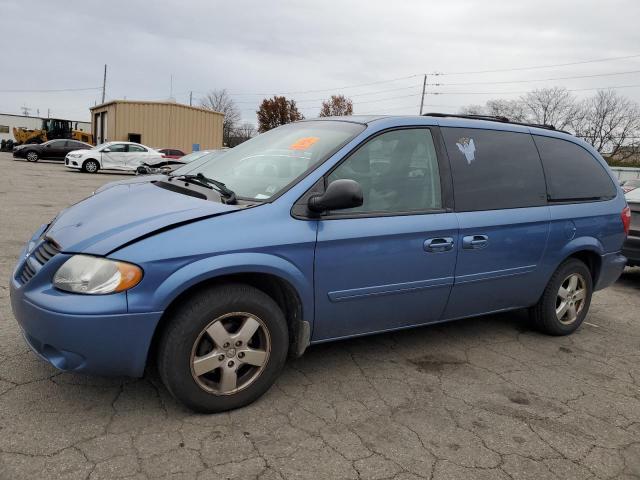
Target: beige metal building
(157, 124)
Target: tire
(32, 156)
(549, 315)
(186, 344)
(90, 166)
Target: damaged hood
(124, 211)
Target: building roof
(42, 118)
(150, 102)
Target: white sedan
(113, 156)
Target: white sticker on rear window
(467, 148)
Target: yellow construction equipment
(52, 128)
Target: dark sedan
(51, 150)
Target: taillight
(626, 219)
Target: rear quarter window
(494, 169)
(572, 173)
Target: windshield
(263, 166)
(193, 156)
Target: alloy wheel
(230, 353)
(571, 298)
(32, 156)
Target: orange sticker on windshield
(303, 143)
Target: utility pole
(424, 86)
(171, 88)
(104, 82)
(48, 112)
(191, 98)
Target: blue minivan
(316, 231)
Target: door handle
(435, 245)
(474, 242)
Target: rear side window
(573, 174)
(492, 169)
(136, 148)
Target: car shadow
(630, 278)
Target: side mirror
(340, 194)
(106, 149)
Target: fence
(625, 173)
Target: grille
(35, 261)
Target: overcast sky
(267, 47)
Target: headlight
(94, 275)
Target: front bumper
(19, 153)
(631, 250)
(72, 162)
(81, 333)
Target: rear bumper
(610, 270)
(101, 344)
(631, 250)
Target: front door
(390, 263)
(500, 200)
(55, 149)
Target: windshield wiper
(199, 179)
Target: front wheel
(90, 166)
(566, 299)
(223, 348)
(32, 156)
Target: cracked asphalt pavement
(485, 398)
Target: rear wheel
(565, 302)
(90, 166)
(32, 156)
(223, 348)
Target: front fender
(216, 266)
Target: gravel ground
(480, 398)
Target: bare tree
(220, 101)
(337, 105)
(277, 111)
(550, 106)
(609, 122)
(514, 110)
(245, 131)
(473, 110)
(511, 109)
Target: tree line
(607, 120)
(271, 113)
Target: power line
(535, 80)
(299, 92)
(315, 100)
(514, 69)
(52, 90)
(527, 91)
(407, 107)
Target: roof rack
(492, 118)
